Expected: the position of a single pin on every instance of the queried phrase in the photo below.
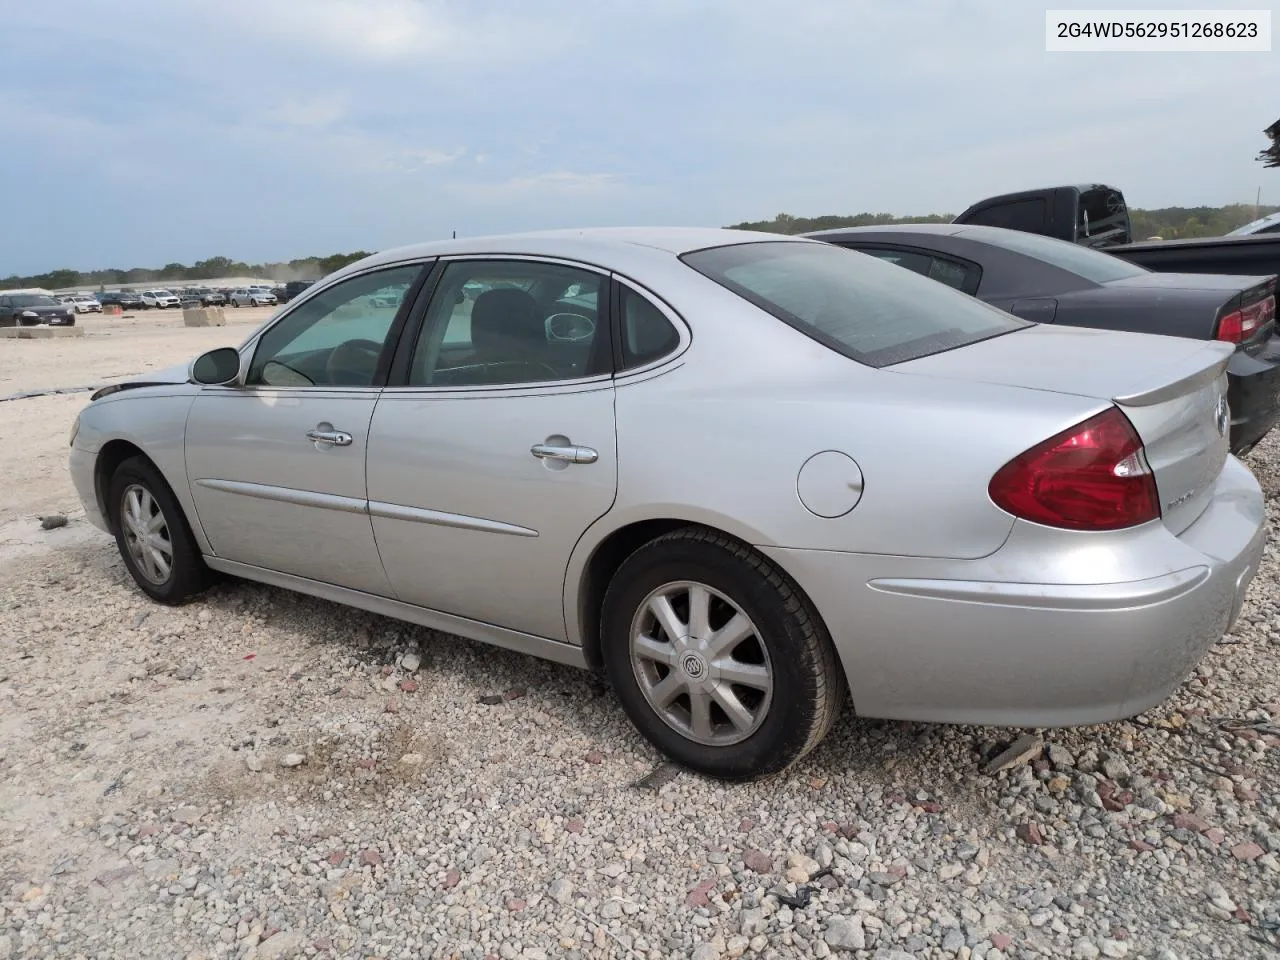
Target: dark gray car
(32, 309)
(1052, 281)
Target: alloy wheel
(700, 663)
(146, 534)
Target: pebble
(844, 933)
(292, 760)
(447, 827)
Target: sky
(144, 132)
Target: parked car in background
(32, 309)
(204, 296)
(1096, 215)
(84, 303)
(125, 299)
(896, 491)
(1268, 224)
(161, 299)
(293, 288)
(252, 297)
(1052, 281)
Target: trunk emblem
(1222, 416)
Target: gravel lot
(259, 774)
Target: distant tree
(213, 267)
(173, 271)
(1270, 157)
(338, 260)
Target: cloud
(367, 123)
(562, 180)
(312, 111)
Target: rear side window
(1092, 265)
(647, 335)
(1016, 215)
(860, 306)
(961, 276)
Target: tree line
(1168, 223)
(305, 268)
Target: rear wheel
(152, 534)
(717, 657)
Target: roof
(590, 243)
(936, 229)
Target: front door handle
(569, 453)
(338, 438)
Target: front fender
(154, 420)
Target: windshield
(1084, 262)
(869, 310)
(34, 300)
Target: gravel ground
(260, 774)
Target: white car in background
(160, 299)
(84, 303)
(253, 297)
(1268, 224)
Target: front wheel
(152, 534)
(718, 658)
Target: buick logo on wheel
(1222, 416)
(693, 666)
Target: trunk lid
(1172, 389)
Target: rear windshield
(1092, 265)
(863, 307)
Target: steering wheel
(569, 327)
(353, 363)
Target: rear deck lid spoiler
(1188, 384)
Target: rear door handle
(338, 438)
(569, 453)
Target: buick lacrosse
(744, 476)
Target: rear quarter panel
(1175, 313)
(719, 437)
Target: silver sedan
(744, 476)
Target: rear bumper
(1253, 392)
(1053, 629)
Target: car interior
(508, 328)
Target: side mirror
(217, 368)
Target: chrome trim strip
(438, 518)
(554, 650)
(301, 498)
(1051, 596)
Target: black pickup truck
(1096, 215)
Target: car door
(492, 449)
(276, 464)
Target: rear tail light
(1242, 324)
(1093, 476)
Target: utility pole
(1257, 204)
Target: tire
(138, 480)
(794, 686)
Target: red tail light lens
(1093, 476)
(1239, 326)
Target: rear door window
(954, 273)
(647, 335)
(1030, 215)
(860, 306)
